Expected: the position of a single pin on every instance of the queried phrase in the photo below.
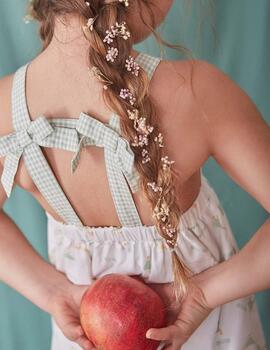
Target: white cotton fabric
(205, 239)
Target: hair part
(106, 14)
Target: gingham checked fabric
(119, 160)
(148, 63)
(72, 135)
(27, 137)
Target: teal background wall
(239, 45)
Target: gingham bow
(12, 146)
(118, 154)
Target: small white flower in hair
(112, 54)
(90, 23)
(87, 3)
(155, 187)
(159, 140)
(109, 37)
(126, 94)
(143, 129)
(133, 115)
(117, 30)
(150, 129)
(140, 141)
(126, 2)
(170, 230)
(132, 66)
(161, 211)
(123, 31)
(166, 162)
(145, 156)
(101, 77)
(140, 125)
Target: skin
(199, 103)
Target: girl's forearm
(245, 273)
(23, 269)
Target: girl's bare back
(60, 89)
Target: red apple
(117, 310)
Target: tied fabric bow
(117, 151)
(12, 146)
(119, 160)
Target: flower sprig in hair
(112, 54)
(118, 30)
(90, 23)
(126, 94)
(132, 66)
(125, 2)
(101, 77)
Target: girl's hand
(182, 319)
(164, 290)
(65, 309)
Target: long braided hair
(105, 24)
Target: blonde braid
(128, 95)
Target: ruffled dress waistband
(136, 233)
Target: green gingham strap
(28, 134)
(148, 63)
(119, 160)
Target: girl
(153, 123)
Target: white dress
(206, 239)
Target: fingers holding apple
(193, 310)
(165, 291)
(65, 312)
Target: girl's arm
(23, 269)
(245, 273)
(238, 138)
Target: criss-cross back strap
(72, 135)
(25, 141)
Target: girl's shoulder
(206, 87)
(202, 102)
(188, 72)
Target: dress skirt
(205, 238)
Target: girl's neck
(69, 44)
